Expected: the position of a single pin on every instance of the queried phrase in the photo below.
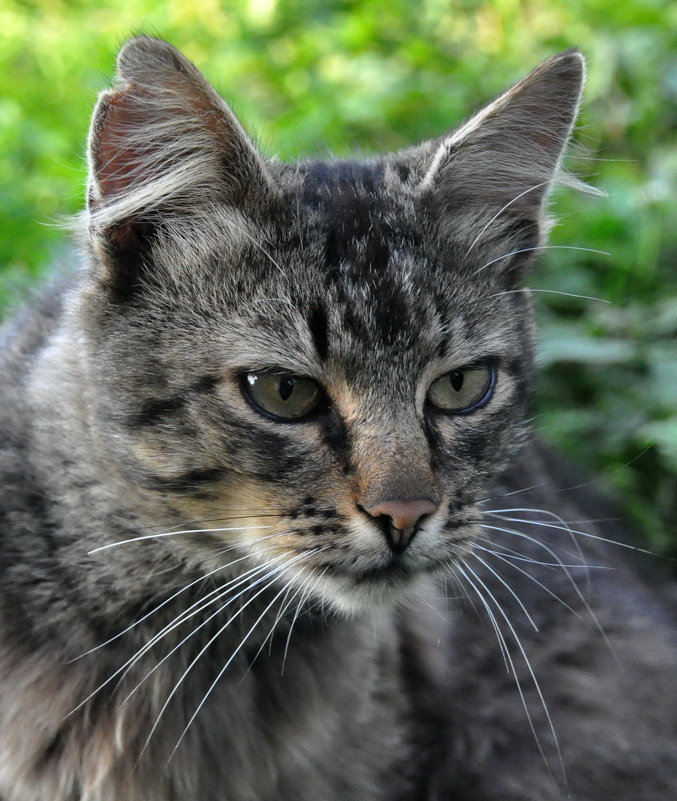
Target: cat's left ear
(497, 168)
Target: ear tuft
(147, 62)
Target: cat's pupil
(456, 379)
(286, 387)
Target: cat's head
(322, 363)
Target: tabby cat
(273, 527)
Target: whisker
(196, 659)
(508, 587)
(276, 572)
(529, 576)
(572, 531)
(575, 586)
(233, 514)
(176, 594)
(539, 543)
(559, 519)
(238, 580)
(461, 589)
(530, 669)
(202, 604)
(540, 247)
(284, 605)
(174, 534)
(509, 553)
(239, 647)
(573, 487)
(500, 211)
(549, 291)
(222, 671)
(299, 606)
(263, 250)
(513, 492)
(500, 637)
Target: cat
(273, 524)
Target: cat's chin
(354, 594)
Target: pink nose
(403, 518)
(404, 514)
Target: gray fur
(137, 479)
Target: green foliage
(319, 76)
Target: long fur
(196, 601)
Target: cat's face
(321, 364)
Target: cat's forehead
(343, 269)
(361, 236)
(352, 278)
(360, 209)
(350, 257)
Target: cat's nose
(404, 515)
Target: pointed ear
(500, 164)
(163, 142)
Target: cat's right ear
(162, 142)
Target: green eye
(463, 391)
(287, 397)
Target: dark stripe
(434, 437)
(390, 313)
(337, 437)
(318, 325)
(377, 251)
(403, 172)
(206, 383)
(128, 255)
(186, 483)
(53, 751)
(154, 409)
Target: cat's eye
(283, 396)
(464, 390)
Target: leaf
(663, 434)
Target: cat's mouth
(393, 570)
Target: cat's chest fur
(329, 714)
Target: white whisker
(174, 534)
(559, 519)
(175, 595)
(540, 247)
(529, 576)
(500, 637)
(284, 605)
(276, 573)
(262, 249)
(573, 531)
(501, 210)
(509, 553)
(299, 606)
(202, 604)
(564, 567)
(239, 647)
(530, 669)
(508, 587)
(529, 290)
(182, 616)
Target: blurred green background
(325, 76)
